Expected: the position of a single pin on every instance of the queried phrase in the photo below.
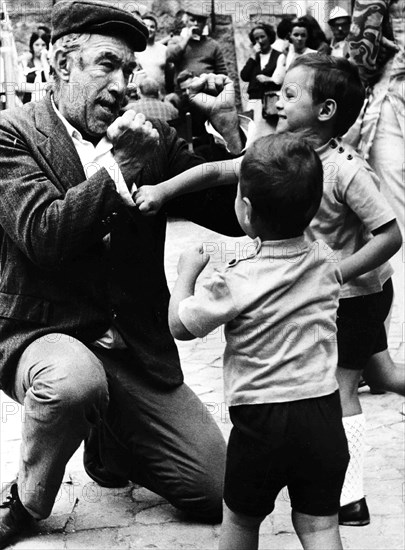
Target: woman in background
(36, 67)
(300, 36)
(260, 66)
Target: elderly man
(339, 22)
(84, 340)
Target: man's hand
(214, 95)
(149, 199)
(134, 141)
(192, 262)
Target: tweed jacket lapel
(57, 146)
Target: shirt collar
(333, 143)
(285, 248)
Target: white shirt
(93, 158)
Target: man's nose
(118, 82)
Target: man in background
(339, 22)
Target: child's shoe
(355, 513)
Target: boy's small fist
(193, 260)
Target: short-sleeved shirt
(279, 306)
(351, 208)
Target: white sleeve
(211, 306)
(110, 164)
(280, 70)
(364, 198)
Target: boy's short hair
(282, 176)
(335, 78)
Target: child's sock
(355, 428)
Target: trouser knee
(68, 382)
(203, 501)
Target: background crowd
(113, 376)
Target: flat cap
(95, 17)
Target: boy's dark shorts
(298, 444)
(360, 327)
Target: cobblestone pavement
(87, 516)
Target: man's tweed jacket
(57, 273)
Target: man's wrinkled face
(94, 92)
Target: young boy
(279, 309)
(323, 95)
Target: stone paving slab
(90, 517)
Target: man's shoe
(355, 513)
(14, 518)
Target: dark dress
(30, 79)
(252, 69)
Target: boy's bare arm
(386, 241)
(190, 265)
(214, 96)
(150, 198)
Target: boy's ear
(328, 110)
(62, 65)
(248, 210)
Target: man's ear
(328, 110)
(62, 65)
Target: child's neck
(320, 136)
(266, 234)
